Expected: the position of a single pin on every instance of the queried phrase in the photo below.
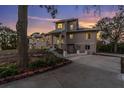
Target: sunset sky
(40, 21)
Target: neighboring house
(107, 41)
(37, 41)
(122, 38)
(69, 37)
(102, 40)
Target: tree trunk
(122, 64)
(115, 47)
(22, 36)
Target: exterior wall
(80, 40)
(66, 25)
(74, 23)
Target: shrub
(10, 70)
(38, 63)
(59, 50)
(53, 60)
(105, 48)
(109, 48)
(121, 48)
(49, 60)
(2, 69)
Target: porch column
(52, 41)
(78, 52)
(60, 37)
(65, 40)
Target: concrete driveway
(86, 71)
(101, 62)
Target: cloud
(89, 20)
(109, 14)
(42, 19)
(86, 24)
(36, 29)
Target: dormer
(67, 24)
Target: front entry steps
(66, 55)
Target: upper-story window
(71, 36)
(71, 27)
(60, 26)
(88, 36)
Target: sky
(41, 21)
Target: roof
(56, 31)
(75, 31)
(63, 20)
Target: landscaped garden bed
(38, 64)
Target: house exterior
(72, 39)
(121, 38)
(37, 41)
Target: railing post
(78, 52)
(64, 53)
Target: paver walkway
(85, 71)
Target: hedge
(109, 48)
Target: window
(62, 41)
(58, 41)
(87, 47)
(60, 26)
(71, 27)
(88, 36)
(71, 36)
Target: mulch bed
(28, 73)
(7, 57)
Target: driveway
(86, 71)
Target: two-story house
(69, 37)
